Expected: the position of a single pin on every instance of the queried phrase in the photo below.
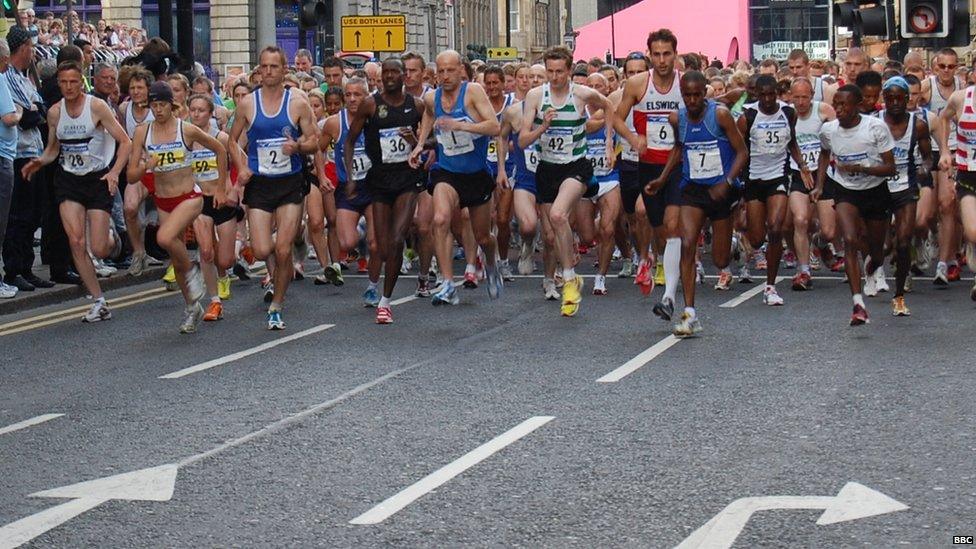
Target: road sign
(374, 33)
(502, 54)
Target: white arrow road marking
(28, 423)
(245, 353)
(748, 294)
(640, 360)
(439, 477)
(153, 484)
(854, 501)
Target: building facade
(779, 26)
(534, 25)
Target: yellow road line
(55, 317)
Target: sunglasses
(945, 67)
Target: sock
(672, 267)
(469, 268)
(274, 307)
(770, 287)
(952, 263)
(942, 265)
(569, 274)
(373, 285)
(690, 311)
(215, 299)
(384, 301)
(859, 299)
(599, 281)
(805, 269)
(100, 300)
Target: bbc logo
(963, 540)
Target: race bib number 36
(393, 146)
(272, 159)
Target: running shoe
(802, 282)
(191, 318)
(688, 326)
(7, 291)
(941, 276)
(572, 295)
(470, 280)
(582, 248)
(333, 274)
(643, 279)
(815, 263)
(215, 311)
(299, 271)
(405, 265)
(506, 271)
(600, 285)
(745, 277)
(445, 295)
(137, 264)
(384, 315)
(371, 298)
(664, 309)
(922, 255)
(549, 289)
(626, 269)
(423, 286)
(320, 280)
(860, 316)
(724, 280)
(97, 313)
(362, 265)
(525, 263)
(493, 282)
(268, 288)
(838, 265)
(557, 279)
(880, 281)
(240, 271)
(759, 260)
(770, 297)
(169, 279)
(909, 282)
(954, 273)
(659, 274)
(274, 320)
(102, 270)
(870, 284)
(789, 260)
(194, 283)
(223, 287)
(898, 307)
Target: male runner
(271, 172)
(798, 63)
(712, 154)
(926, 206)
(858, 150)
(501, 170)
(81, 130)
(133, 112)
(414, 67)
(563, 175)
(463, 120)
(390, 121)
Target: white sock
(215, 299)
(470, 269)
(569, 274)
(100, 300)
(672, 267)
(373, 285)
(384, 301)
(690, 311)
(599, 281)
(770, 288)
(941, 265)
(858, 299)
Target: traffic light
(313, 13)
(925, 18)
(867, 17)
(8, 6)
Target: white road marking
(403, 300)
(439, 477)
(748, 294)
(245, 353)
(28, 423)
(635, 363)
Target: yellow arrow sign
(374, 33)
(502, 54)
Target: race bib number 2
(272, 159)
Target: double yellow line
(65, 315)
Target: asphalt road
(485, 424)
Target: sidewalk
(63, 292)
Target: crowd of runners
(411, 164)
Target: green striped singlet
(565, 140)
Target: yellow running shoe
(659, 274)
(572, 295)
(223, 288)
(898, 307)
(170, 279)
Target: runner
(501, 171)
(320, 207)
(926, 206)
(167, 141)
(271, 172)
(859, 151)
(216, 228)
(82, 132)
(712, 153)
(463, 121)
(390, 120)
(911, 138)
(770, 130)
(798, 63)
(133, 112)
(414, 69)
(564, 174)
(810, 117)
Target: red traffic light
(923, 19)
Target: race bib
(492, 152)
(810, 152)
(557, 145)
(596, 152)
(272, 159)
(455, 143)
(626, 152)
(531, 158)
(660, 133)
(899, 181)
(75, 157)
(169, 156)
(704, 160)
(360, 163)
(204, 163)
(393, 146)
(770, 140)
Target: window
(541, 24)
(513, 15)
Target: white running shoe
(880, 281)
(549, 289)
(871, 285)
(7, 291)
(770, 297)
(194, 283)
(525, 263)
(97, 313)
(191, 318)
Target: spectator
(373, 75)
(303, 61)
(10, 116)
(25, 207)
(102, 29)
(332, 69)
(55, 35)
(32, 25)
(106, 81)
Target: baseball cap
(161, 91)
(16, 37)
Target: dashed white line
(245, 353)
(635, 363)
(748, 294)
(439, 477)
(403, 300)
(28, 423)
